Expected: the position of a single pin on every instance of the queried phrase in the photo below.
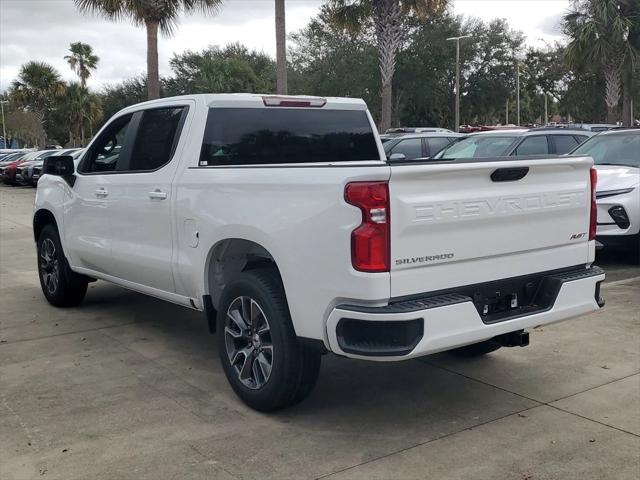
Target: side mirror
(397, 157)
(61, 166)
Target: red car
(8, 171)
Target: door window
(156, 139)
(536, 145)
(106, 153)
(564, 143)
(436, 144)
(411, 148)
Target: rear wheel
(265, 364)
(60, 285)
(476, 349)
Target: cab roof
(253, 100)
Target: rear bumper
(440, 322)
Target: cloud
(43, 29)
(551, 25)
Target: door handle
(101, 193)
(158, 194)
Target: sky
(43, 29)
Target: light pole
(457, 40)
(518, 91)
(4, 124)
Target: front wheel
(60, 285)
(265, 364)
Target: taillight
(370, 243)
(593, 221)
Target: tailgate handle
(509, 174)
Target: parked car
(403, 130)
(594, 127)
(8, 170)
(505, 143)
(281, 219)
(616, 154)
(11, 157)
(31, 170)
(24, 171)
(412, 146)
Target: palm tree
(599, 32)
(154, 15)
(72, 106)
(631, 9)
(93, 111)
(386, 17)
(82, 61)
(281, 49)
(36, 87)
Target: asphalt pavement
(129, 387)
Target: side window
(156, 139)
(436, 144)
(564, 143)
(537, 145)
(105, 153)
(411, 148)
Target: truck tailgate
(455, 224)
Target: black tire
(476, 349)
(294, 366)
(60, 285)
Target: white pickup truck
(282, 219)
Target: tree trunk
(388, 19)
(612, 75)
(612, 115)
(281, 49)
(387, 97)
(153, 75)
(627, 89)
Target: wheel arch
(230, 256)
(41, 219)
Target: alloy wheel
(49, 266)
(248, 342)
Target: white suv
(616, 155)
(282, 220)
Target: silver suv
(506, 143)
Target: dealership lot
(126, 386)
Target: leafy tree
(631, 9)
(599, 32)
(25, 126)
(154, 15)
(232, 69)
(82, 61)
(426, 71)
(116, 97)
(329, 61)
(387, 19)
(36, 87)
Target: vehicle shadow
(618, 263)
(396, 402)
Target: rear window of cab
(267, 136)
